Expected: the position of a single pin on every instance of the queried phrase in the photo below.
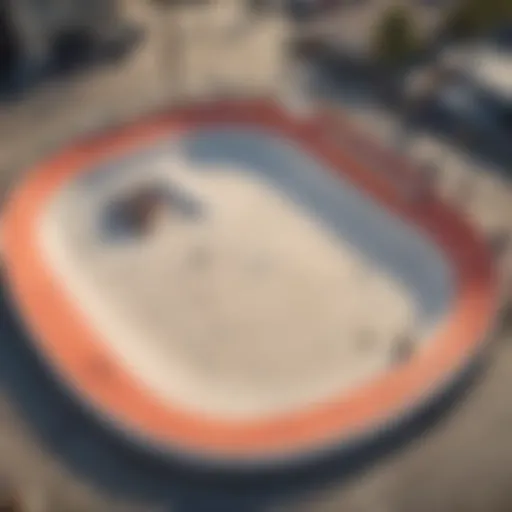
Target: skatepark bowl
(226, 283)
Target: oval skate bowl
(258, 308)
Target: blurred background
(429, 79)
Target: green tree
(470, 18)
(396, 37)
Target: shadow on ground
(90, 451)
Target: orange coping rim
(84, 362)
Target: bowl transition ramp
(457, 297)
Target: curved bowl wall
(419, 240)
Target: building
(34, 32)
(224, 47)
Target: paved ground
(463, 463)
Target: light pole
(171, 45)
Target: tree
(396, 38)
(471, 18)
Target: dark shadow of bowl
(106, 459)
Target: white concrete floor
(278, 317)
